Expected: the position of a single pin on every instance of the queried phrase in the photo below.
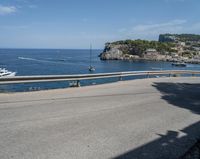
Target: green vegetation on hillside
(140, 46)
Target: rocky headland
(169, 47)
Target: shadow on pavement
(175, 143)
(169, 146)
(182, 95)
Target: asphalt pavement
(140, 119)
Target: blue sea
(66, 62)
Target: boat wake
(26, 58)
(56, 61)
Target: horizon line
(52, 48)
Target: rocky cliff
(170, 47)
(112, 52)
(133, 50)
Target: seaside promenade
(140, 119)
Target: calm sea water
(63, 61)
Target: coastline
(180, 48)
(133, 59)
(114, 53)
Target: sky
(74, 24)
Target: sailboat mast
(90, 55)
(91, 68)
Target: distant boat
(91, 68)
(61, 59)
(179, 64)
(6, 73)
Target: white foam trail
(26, 58)
(47, 61)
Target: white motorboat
(179, 64)
(6, 73)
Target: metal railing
(79, 77)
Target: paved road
(150, 118)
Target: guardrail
(79, 77)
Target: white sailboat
(91, 68)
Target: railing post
(170, 75)
(148, 75)
(78, 84)
(120, 77)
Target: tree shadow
(169, 146)
(183, 95)
(172, 145)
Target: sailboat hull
(91, 69)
